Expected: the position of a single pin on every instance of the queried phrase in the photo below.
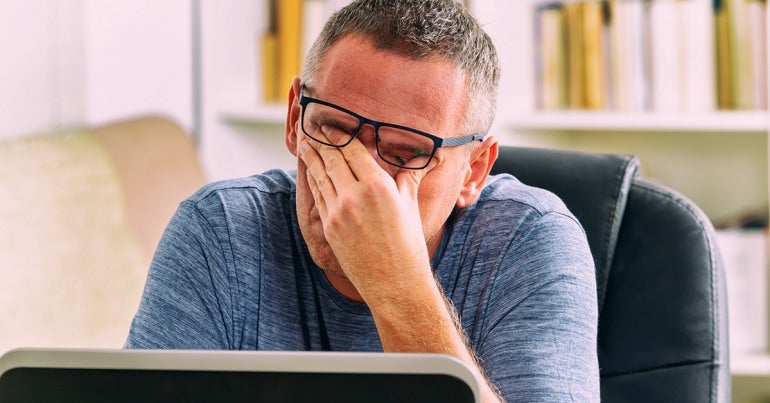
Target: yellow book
(740, 46)
(575, 55)
(593, 56)
(269, 70)
(553, 61)
(724, 56)
(289, 13)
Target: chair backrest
(660, 280)
(80, 214)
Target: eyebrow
(404, 146)
(337, 118)
(307, 89)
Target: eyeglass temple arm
(458, 141)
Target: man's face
(428, 95)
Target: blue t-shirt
(232, 271)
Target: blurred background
(113, 111)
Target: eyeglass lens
(395, 146)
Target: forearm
(422, 320)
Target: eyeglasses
(397, 145)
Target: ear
(480, 163)
(292, 117)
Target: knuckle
(355, 149)
(334, 220)
(347, 203)
(377, 184)
(321, 183)
(333, 162)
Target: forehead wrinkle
(434, 106)
(424, 117)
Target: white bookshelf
(678, 150)
(716, 158)
(717, 121)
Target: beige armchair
(80, 214)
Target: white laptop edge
(216, 360)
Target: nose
(366, 135)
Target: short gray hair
(419, 29)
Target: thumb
(408, 181)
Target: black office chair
(660, 280)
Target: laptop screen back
(195, 376)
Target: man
(390, 235)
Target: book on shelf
(741, 53)
(594, 55)
(757, 27)
(666, 55)
(570, 55)
(724, 73)
(289, 16)
(576, 65)
(745, 258)
(551, 57)
(293, 26)
(269, 54)
(697, 56)
(629, 56)
(651, 55)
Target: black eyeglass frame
(438, 142)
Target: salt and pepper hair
(420, 29)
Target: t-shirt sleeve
(186, 302)
(540, 342)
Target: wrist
(401, 287)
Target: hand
(372, 222)
(370, 219)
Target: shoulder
(240, 203)
(521, 229)
(507, 208)
(506, 189)
(270, 182)
(272, 187)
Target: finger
(361, 162)
(334, 161)
(358, 158)
(320, 203)
(317, 172)
(408, 181)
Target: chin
(312, 232)
(319, 248)
(324, 258)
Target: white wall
(74, 62)
(138, 59)
(41, 65)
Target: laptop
(85, 375)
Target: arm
(373, 225)
(422, 320)
(539, 337)
(183, 304)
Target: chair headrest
(593, 186)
